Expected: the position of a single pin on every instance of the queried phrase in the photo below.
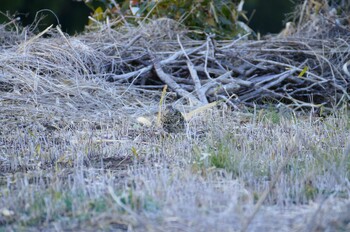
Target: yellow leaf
(303, 71)
(38, 149)
(98, 14)
(134, 152)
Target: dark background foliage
(72, 15)
(268, 16)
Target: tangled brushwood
(305, 66)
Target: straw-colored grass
(74, 157)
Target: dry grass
(73, 157)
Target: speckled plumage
(172, 120)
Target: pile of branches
(295, 71)
(304, 66)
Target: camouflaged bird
(172, 120)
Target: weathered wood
(293, 71)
